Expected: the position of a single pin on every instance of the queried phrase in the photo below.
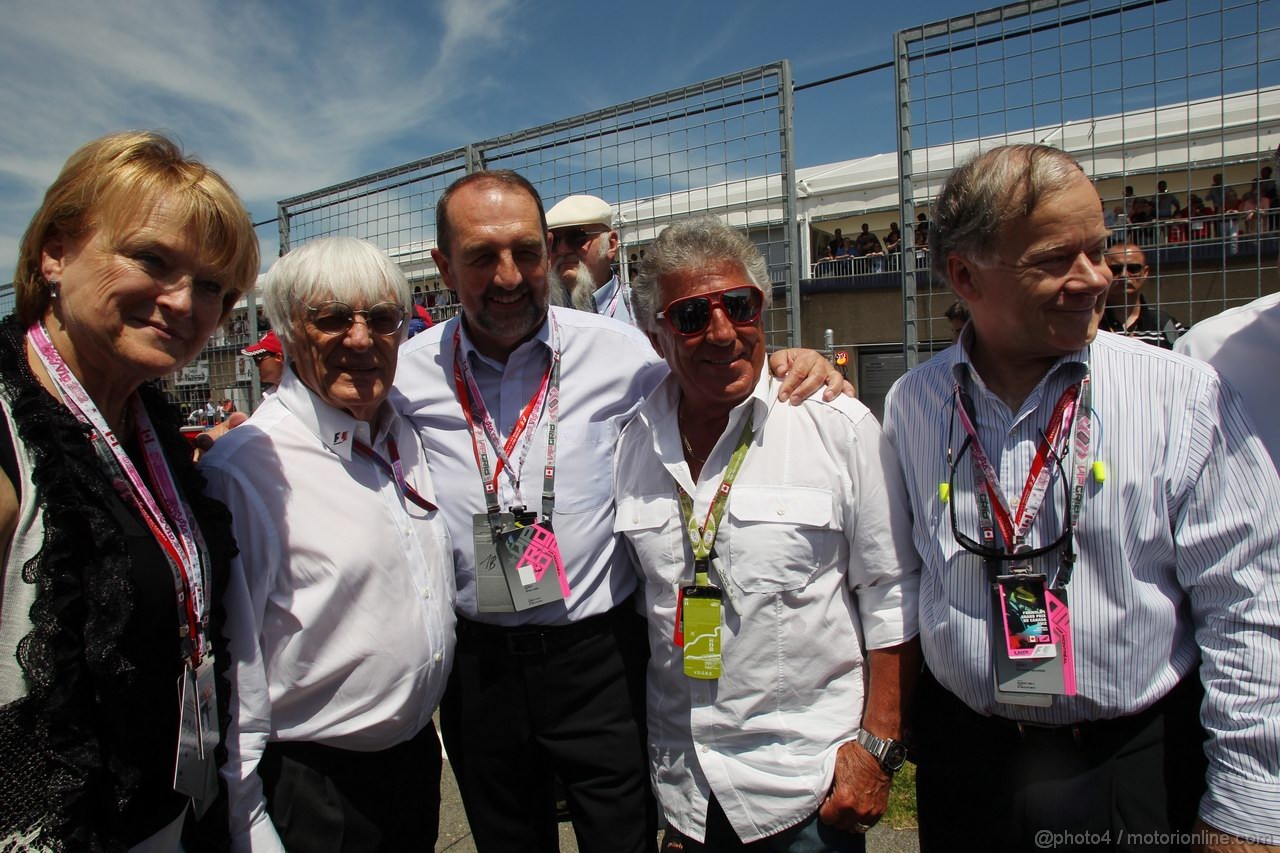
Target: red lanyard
(483, 429)
(991, 499)
(395, 471)
(184, 550)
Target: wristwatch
(890, 753)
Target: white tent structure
(1205, 134)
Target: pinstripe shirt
(1179, 552)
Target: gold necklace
(688, 448)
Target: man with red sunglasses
(774, 545)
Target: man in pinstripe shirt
(1119, 494)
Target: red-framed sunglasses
(691, 315)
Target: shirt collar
(540, 340)
(336, 429)
(1075, 365)
(660, 414)
(606, 291)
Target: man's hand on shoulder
(804, 371)
(859, 793)
(205, 440)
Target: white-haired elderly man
(779, 580)
(583, 246)
(340, 608)
(1100, 592)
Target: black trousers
(811, 834)
(326, 799)
(985, 783)
(527, 705)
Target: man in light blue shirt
(1122, 492)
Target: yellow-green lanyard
(703, 539)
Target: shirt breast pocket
(584, 462)
(647, 525)
(781, 536)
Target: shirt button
(705, 748)
(438, 657)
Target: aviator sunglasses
(1131, 269)
(337, 318)
(691, 315)
(575, 239)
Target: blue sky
(287, 97)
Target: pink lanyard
(395, 471)
(184, 549)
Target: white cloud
(281, 98)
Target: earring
(55, 288)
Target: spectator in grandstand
(1268, 200)
(922, 231)
(758, 737)
(1197, 217)
(1249, 219)
(340, 607)
(583, 246)
(958, 316)
(1143, 215)
(1166, 203)
(1129, 200)
(1151, 513)
(1214, 194)
(268, 358)
(893, 240)
(1267, 186)
(136, 255)
(838, 246)
(1127, 311)
(868, 246)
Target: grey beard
(584, 292)
(556, 293)
(583, 295)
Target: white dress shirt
(816, 543)
(607, 368)
(1243, 345)
(613, 300)
(1178, 552)
(340, 606)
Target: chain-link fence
(1172, 107)
(722, 146)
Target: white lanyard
(184, 549)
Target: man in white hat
(583, 247)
